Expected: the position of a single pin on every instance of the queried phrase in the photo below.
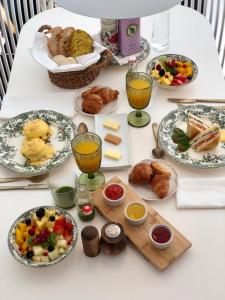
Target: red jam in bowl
(161, 234)
(114, 192)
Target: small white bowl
(135, 221)
(112, 202)
(161, 245)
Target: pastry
(37, 129)
(63, 40)
(53, 41)
(141, 174)
(92, 90)
(160, 185)
(92, 104)
(114, 139)
(79, 43)
(160, 169)
(107, 94)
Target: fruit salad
(172, 72)
(43, 235)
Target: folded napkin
(201, 193)
(15, 104)
(40, 53)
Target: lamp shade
(117, 9)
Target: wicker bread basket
(78, 79)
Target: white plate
(106, 109)
(146, 193)
(123, 147)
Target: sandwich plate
(146, 193)
(177, 118)
(11, 138)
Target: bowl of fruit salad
(172, 70)
(42, 236)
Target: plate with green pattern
(11, 139)
(177, 118)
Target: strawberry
(68, 237)
(58, 228)
(180, 77)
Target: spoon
(82, 128)
(37, 178)
(157, 151)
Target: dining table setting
(112, 166)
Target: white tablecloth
(199, 273)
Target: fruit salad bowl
(172, 71)
(42, 236)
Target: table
(199, 273)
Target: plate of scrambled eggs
(36, 142)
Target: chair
(13, 15)
(214, 11)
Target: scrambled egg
(36, 151)
(37, 129)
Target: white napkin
(41, 54)
(15, 104)
(201, 193)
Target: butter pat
(112, 154)
(111, 124)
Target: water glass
(63, 185)
(160, 32)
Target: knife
(24, 187)
(183, 100)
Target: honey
(135, 211)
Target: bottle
(85, 204)
(132, 64)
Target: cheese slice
(112, 154)
(222, 136)
(111, 124)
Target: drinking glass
(63, 185)
(160, 32)
(87, 151)
(139, 89)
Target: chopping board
(139, 235)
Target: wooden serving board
(139, 235)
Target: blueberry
(28, 221)
(52, 218)
(189, 77)
(173, 72)
(162, 72)
(29, 254)
(40, 212)
(50, 248)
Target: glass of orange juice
(139, 90)
(87, 151)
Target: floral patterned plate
(152, 63)
(177, 118)
(13, 247)
(11, 138)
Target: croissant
(92, 104)
(107, 94)
(92, 90)
(160, 169)
(141, 173)
(160, 185)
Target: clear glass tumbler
(160, 32)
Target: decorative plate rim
(44, 168)
(150, 63)
(186, 162)
(32, 264)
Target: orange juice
(138, 93)
(88, 156)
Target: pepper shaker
(90, 240)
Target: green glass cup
(139, 90)
(87, 151)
